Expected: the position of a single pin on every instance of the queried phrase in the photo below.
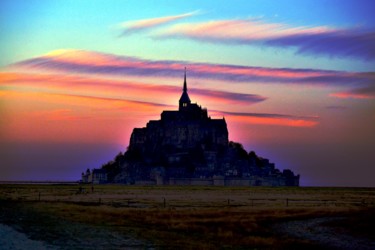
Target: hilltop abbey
(187, 147)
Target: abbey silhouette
(187, 147)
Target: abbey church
(187, 147)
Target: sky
(294, 80)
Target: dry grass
(192, 217)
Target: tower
(184, 101)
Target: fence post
(228, 202)
(287, 202)
(164, 202)
(39, 196)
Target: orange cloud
(100, 87)
(367, 92)
(269, 119)
(346, 95)
(274, 121)
(48, 117)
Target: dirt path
(318, 231)
(13, 240)
(76, 236)
(22, 227)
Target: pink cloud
(140, 25)
(95, 63)
(321, 40)
(271, 119)
(358, 93)
(111, 87)
(240, 30)
(346, 95)
(108, 104)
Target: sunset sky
(295, 81)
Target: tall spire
(185, 85)
(184, 100)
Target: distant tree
(240, 151)
(252, 155)
(114, 167)
(119, 157)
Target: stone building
(96, 176)
(179, 132)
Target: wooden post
(228, 202)
(164, 202)
(287, 202)
(39, 196)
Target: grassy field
(117, 217)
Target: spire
(184, 100)
(185, 85)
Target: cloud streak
(268, 115)
(113, 87)
(321, 40)
(130, 27)
(109, 104)
(94, 63)
(39, 116)
(358, 93)
(350, 43)
(353, 42)
(273, 119)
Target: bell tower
(184, 99)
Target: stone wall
(190, 182)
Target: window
(184, 104)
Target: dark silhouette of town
(187, 147)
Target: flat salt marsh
(189, 217)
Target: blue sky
(29, 28)
(294, 79)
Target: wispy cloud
(111, 104)
(268, 115)
(321, 40)
(273, 119)
(358, 93)
(230, 97)
(111, 87)
(40, 116)
(88, 62)
(129, 27)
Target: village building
(96, 176)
